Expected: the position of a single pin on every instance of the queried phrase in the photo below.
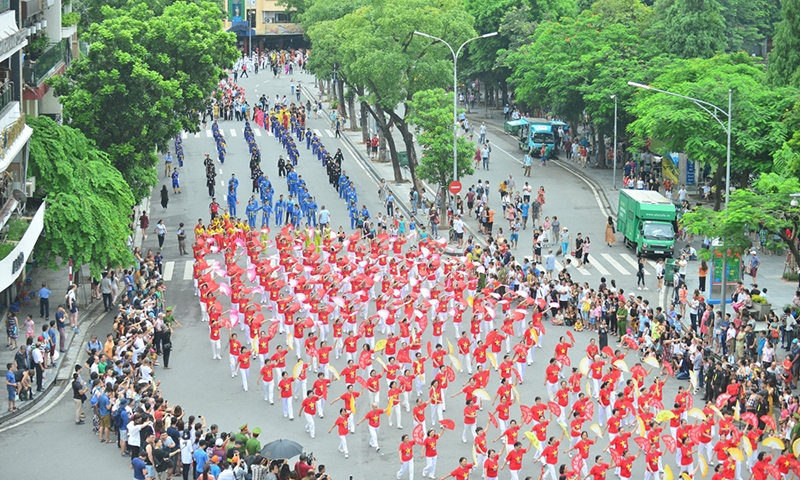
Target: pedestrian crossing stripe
(600, 268)
(188, 271)
(330, 133)
(615, 264)
(319, 134)
(633, 262)
(208, 133)
(184, 134)
(233, 132)
(257, 132)
(169, 267)
(197, 135)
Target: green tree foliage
(689, 28)
(95, 11)
(765, 205)
(575, 65)
(748, 22)
(143, 81)
(784, 59)
(757, 114)
(88, 202)
(432, 117)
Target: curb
(62, 373)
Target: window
(282, 18)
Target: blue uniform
(266, 210)
(232, 203)
(280, 206)
(252, 211)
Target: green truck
(647, 221)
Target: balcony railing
(6, 94)
(37, 71)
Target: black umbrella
(280, 449)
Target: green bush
(70, 19)
(5, 249)
(16, 229)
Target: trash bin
(402, 158)
(670, 270)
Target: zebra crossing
(236, 132)
(172, 270)
(605, 264)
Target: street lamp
(794, 196)
(455, 53)
(716, 112)
(615, 142)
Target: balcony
(6, 95)
(37, 71)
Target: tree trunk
(380, 119)
(504, 89)
(351, 107)
(340, 91)
(601, 150)
(364, 122)
(717, 181)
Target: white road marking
(209, 134)
(330, 133)
(188, 271)
(269, 132)
(615, 264)
(600, 268)
(575, 265)
(184, 134)
(257, 132)
(633, 262)
(168, 268)
(316, 130)
(197, 135)
(233, 132)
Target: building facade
(263, 25)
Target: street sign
(455, 187)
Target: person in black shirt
(78, 397)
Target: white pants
(398, 415)
(430, 467)
(436, 412)
(514, 474)
(343, 444)
(288, 410)
(321, 407)
(549, 472)
(245, 377)
(552, 388)
(269, 391)
(310, 424)
(373, 437)
(466, 360)
(375, 397)
(648, 475)
(234, 363)
(301, 385)
(215, 348)
(469, 428)
(521, 370)
(420, 384)
(406, 466)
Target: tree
(95, 11)
(689, 28)
(88, 202)
(379, 53)
(150, 75)
(757, 124)
(432, 117)
(766, 205)
(749, 22)
(784, 59)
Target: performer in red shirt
(341, 426)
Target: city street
(202, 385)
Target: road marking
(233, 132)
(269, 132)
(575, 265)
(209, 134)
(615, 264)
(168, 268)
(188, 271)
(257, 132)
(184, 134)
(197, 135)
(330, 133)
(558, 266)
(593, 261)
(633, 262)
(316, 130)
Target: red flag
(448, 424)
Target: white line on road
(329, 132)
(633, 262)
(233, 132)
(257, 132)
(168, 268)
(184, 134)
(269, 132)
(575, 265)
(593, 261)
(220, 171)
(208, 133)
(197, 135)
(316, 130)
(615, 264)
(188, 271)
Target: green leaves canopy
(689, 28)
(784, 59)
(143, 80)
(88, 202)
(432, 116)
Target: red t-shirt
(374, 417)
(461, 473)
(310, 405)
(406, 451)
(341, 423)
(514, 459)
(285, 387)
(430, 445)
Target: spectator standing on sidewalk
(61, 325)
(44, 301)
(182, 239)
(78, 397)
(11, 387)
(105, 289)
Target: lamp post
(455, 53)
(715, 112)
(615, 142)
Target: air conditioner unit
(30, 186)
(270, 20)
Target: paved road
(204, 386)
